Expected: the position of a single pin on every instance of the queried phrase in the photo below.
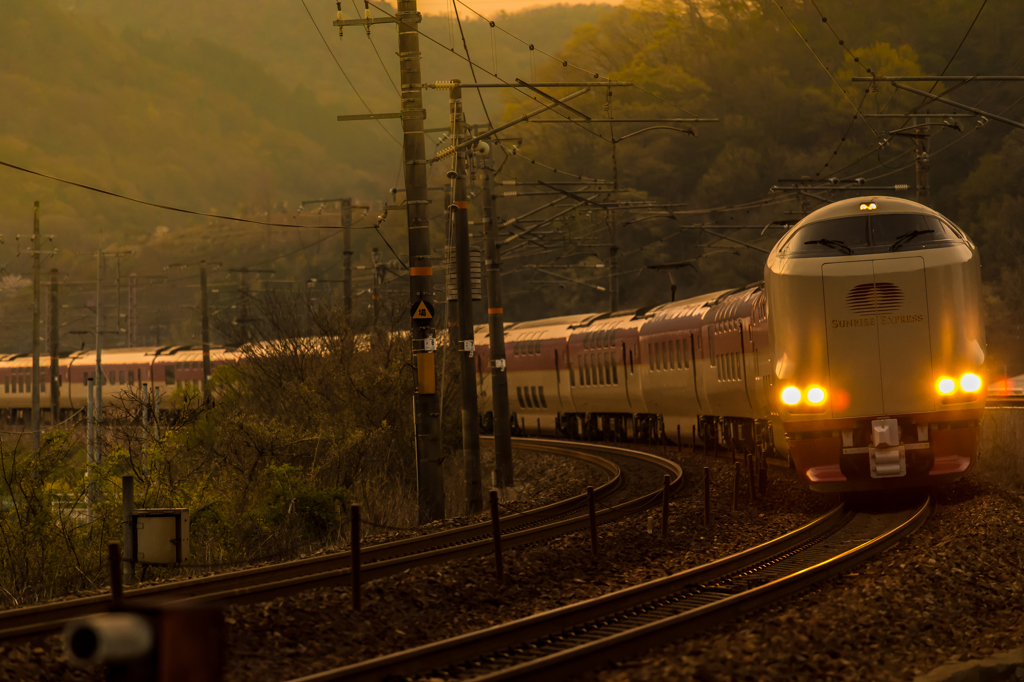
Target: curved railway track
(377, 561)
(558, 644)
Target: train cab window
(875, 233)
(519, 396)
(533, 394)
(540, 392)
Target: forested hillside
(231, 106)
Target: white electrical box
(160, 536)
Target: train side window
(540, 391)
(169, 375)
(572, 375)
(85, 378)
(558, 373)
(686, 353)
(711, 348)
(120, 377)
(7, 384)
(611, 341)
(607, 368)
(650, 356)
(131, 377)
(581, 360)
(21, 384)
(533, 393)
(671, 354)
(615, 370)
(519, 396)
(537, 346)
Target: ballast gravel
(952, 591)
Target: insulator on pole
(341, 29)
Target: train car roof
(845, 208)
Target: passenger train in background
(859, 359)
(124, 369)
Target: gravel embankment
(954, 589)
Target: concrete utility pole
(346, 226)
(100, 380)
(613, 244)
(204, 302)
(503, 476)
(133, 311)
(421, 274)
(36, 303)
(470, 415)
(54, 350)
(922, 161)
(376, 285)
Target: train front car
(877, 345)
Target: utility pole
(204, 301)
(470, 415)
(54, 350)
(613, 245)
(376, 285)
(36, 302)
(922, 160)
(346, 226)
(503, 477)
(98, 403)
(133, 311)
(421, 274)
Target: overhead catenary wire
(166, 207)
(347, 79)
(828, 71)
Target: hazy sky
(492, 7)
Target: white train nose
(877, 333)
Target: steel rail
(563, 642)
(265, 582)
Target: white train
(860, 358)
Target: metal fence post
(664, 506)
(357, 602)
(116, 587)
(707, 496)
(499, 569)
(593, 520)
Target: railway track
(566, 641)
(377, 561)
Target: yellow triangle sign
(422, 312)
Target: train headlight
(946, 386)
(970, 382)
(791, 395)
(815, 395)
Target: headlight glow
(946, 386)
(815, 395)
(791, 395)
(970, 382)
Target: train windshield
(870, 234)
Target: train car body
(859, 359)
